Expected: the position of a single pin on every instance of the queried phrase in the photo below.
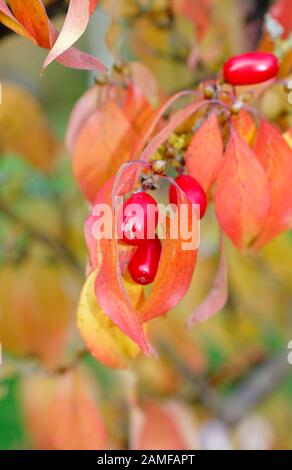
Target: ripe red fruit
(250, 68)
(144, 263)
(193, 190)
(139, 212)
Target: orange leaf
(137, 108)
(217, 297)
(32, 15)
(23, 128)
(245, 126)
(7, 18)
(276, 157)
(33, 298)
(162, 427)
(76, 422)
(242, 195)
(101, 148)
(37, 391)
(205, 153)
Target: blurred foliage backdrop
(43, 254)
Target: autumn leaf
(288, 137)
(37, 391)
(76, 422)
(23, 128)
(217, 297)
(281, 11)
(199, 13)
(74, 26)
(107, 343)
(109, 287)
(276, 158)
(245, 126)
(33, 297)
(60, 412)
(242, 196)
(204, 155)
(29, 19)
(166, 426)
(98, 149)
(32, 15)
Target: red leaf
(276, 157)
(218, 295)
(74, 26)
(242, 195)
(205, 153)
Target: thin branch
(231, 408)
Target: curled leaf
(109, 287)
(242, 196)
(218, 295)
(74, 26)
(28, 18)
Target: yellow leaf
(107, 343)
(35, 310)
(23, 128)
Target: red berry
(139, 212)
(250, 68)
(144, 263)
(193, 190)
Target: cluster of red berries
(144, 263)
